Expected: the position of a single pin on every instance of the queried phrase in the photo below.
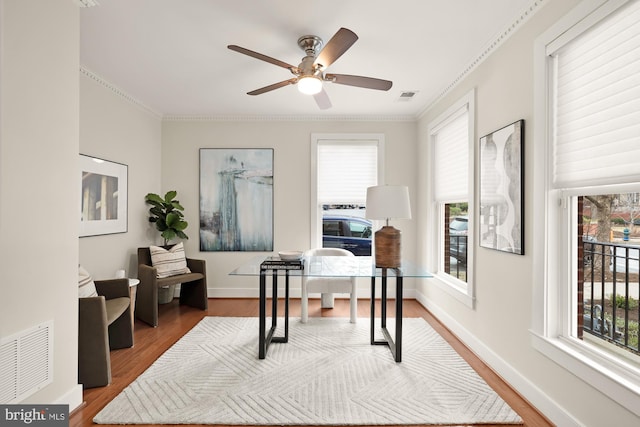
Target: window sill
(618, 382)
(455, 288)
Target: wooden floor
(176, 320)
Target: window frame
(377, 139)
(462, 291)
(554, 314)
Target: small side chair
(104, 324)
(328, 285)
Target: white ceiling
(172, 56)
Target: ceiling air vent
(87, 3)
(407, 95)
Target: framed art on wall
(501, 189)
(103, 196)
(236, 199)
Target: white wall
(116, 129)
(49, 114)
(498, 328)
(291, 141)
(38, 165)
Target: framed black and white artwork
(103, 196)
(501, 189)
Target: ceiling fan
(309, 74)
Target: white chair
(328, 285)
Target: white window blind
(597, 129)
(345, 171)
(451, 158)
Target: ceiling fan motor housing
(307, 67)
(310, 44)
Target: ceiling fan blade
(273, 87)
(322, 99)
(262, 57)
(360, 81)
(339, 44)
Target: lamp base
(387, 245)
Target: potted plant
(166, 214)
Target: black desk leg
(266, 338)
(398, 341)
(286, 307)
(395, 345)
(383, 300)
(274, 300)
(262, 345)
(373, 309)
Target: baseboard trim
(73, 398)
(538, 398)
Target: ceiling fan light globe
(309, 85)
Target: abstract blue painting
(236, 199)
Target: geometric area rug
(327, 374)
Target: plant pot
(165, 294)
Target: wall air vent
(26, 362)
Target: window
(451, 141)
(588, 99)
(343, 167)
(608, 229)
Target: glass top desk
(329, 266)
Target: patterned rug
(328, 374)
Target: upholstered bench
(193, 288)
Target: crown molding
(240, 118)
(287, 118)
(116, 90)
(492, 46)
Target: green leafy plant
(621, 302)
(167, 215)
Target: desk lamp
(387, 202)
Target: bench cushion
(182, 278)
(115, 308)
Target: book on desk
(277, 263)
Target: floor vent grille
(26, 362)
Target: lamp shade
(388, 201)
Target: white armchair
(328, 285)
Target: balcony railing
(611, 292)
(457, 265)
